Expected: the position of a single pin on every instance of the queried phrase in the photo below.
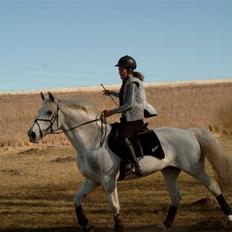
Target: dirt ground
(38, 184)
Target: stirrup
(138, 172)
(129, 169)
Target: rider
(132, 106)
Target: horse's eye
(49, 113)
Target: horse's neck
(84, 138)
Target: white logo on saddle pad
(154, 148)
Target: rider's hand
(106, 92)
(107, 113)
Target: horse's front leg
(112, 194)
(87, 187)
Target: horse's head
(48, 119)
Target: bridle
(54, 118)
(51, 121)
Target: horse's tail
(213, 151)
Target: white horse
(185, 149)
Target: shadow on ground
(78, 229)
(200, 227)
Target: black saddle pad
(150, 144)
(145, 143)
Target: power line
(55, 72)
(61, 73)
(29, 82)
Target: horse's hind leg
(170, 175)
(214, 188)
(87, 187)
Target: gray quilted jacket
(133, 104)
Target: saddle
(145, 143)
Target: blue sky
(63, 43)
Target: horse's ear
(42, 96)
(51, 97)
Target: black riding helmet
(127, 62)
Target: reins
(102, 119)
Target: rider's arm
(129, 101)
(114, 93)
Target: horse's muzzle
(32, 136)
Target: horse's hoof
(88, 229)
(160, 227)
(229, 219)
(227, 224)
(118, 228)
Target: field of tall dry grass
(38, 182)
(182, 104)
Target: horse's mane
(76, 105)
(80, 104)
(73, 104)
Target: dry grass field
(38, 182)
(181, 104)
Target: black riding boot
(132, 157)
